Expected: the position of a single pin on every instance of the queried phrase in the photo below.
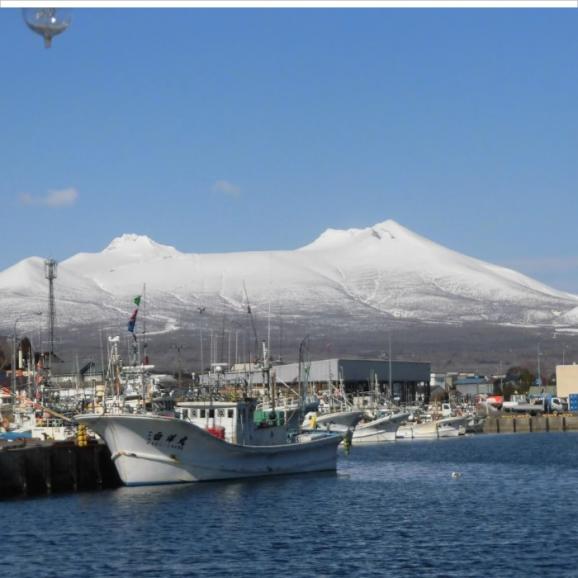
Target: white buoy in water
(456, 475)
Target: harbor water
(510, 509)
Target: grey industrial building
(409, 380)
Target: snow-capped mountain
(348, 279)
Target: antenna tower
(50, 267)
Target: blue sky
(233, 130)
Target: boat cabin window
(185, 413)
(221, 412)
(203, 412)
(211, 413)
(193, 413)
(230, 413)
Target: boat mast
(301, 370)
(267, 376)
(269, 326)
(389, 376)
(112, 378)
(144, 358)
(253, 325)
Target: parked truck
(521, 404)
(536, 405)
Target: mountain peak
(138, 244)
(385, 231)
(390, 228)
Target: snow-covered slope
(353, 276)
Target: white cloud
(226, 188)
(61, 198)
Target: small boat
(440, 428)
(338, 421)
(382, 429)
(450, 427)
(36, 422)
(475, 424)
(210, 440)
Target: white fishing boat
(37, 423)
(339, 421)
(475, 423)
(452, 426)
(209, 440)
(439, 428)
(382, 429)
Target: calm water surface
(391, 510)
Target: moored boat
(440, 428)
(339, 421)
(31, 420)
(209, 440)
(382, 429)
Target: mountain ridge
(355, 281)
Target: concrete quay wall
(29, 468)
(529, 424)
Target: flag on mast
(132, 320)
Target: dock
(530, 424)
(33, 468)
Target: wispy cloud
(61, 198)
(226, 188)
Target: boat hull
(160, 450)
(448, 427)
(417, 431)
(379, 430)
(372, 436)
(341, 419)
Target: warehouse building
(403, 381)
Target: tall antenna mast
(50, 272)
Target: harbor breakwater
(29, 468)
(529, 424)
